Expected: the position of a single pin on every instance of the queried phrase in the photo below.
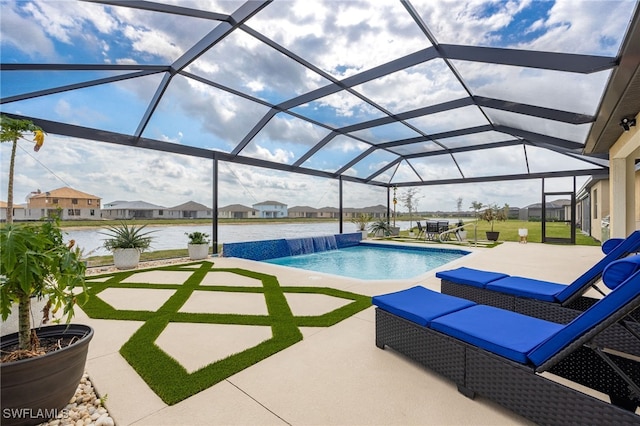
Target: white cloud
(152, 42)
(278, 155)
(34, 42)
(366, 34)
(574, 28)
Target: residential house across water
(67, 203)
(237, 211)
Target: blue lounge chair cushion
(527, 287)
(617, 272)
(596, 314)
(509, 334)
(420, 305)
(469, 276)
(610, 244)
(629, 245)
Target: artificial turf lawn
(170, 380)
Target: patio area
(335, 375)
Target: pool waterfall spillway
(269, 249)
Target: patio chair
(431, 230)
(420, 230)
(443, 225)
(543, 299)
(501, 355)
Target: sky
(342, 39)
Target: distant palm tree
(11, 130)
(476, 206)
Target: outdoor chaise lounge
(543, 299)
(515, 359)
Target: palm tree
(476, 206)
(12, 129)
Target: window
(595, 203)
(74, 201)
(92, 212)
(89, 202)
(55, 201)
(70, 212)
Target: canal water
(173, 236)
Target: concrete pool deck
(335, 376)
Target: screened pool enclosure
(385, 93)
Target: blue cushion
(629, 245)
(419, 305)
(527, 287)
(610, 244)
(496, 330)
(468, 276)
(614, 301)
(617, 272)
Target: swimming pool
(372, 261)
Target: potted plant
(198, 245)
(492, 214)
(41, 368)
(462, 233)
(361, 221)
(380, 228)
(126, 242)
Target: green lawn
(509, 231)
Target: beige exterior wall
(64, 203)
(624, 183)
(72, 205)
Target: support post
(214, 230)
(340, 208)
(543, 214)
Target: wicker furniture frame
(616, 337)
(519, 387)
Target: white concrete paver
(159, 277)
(136, 299)
(336, 375)
(222, 302)
(198, 345)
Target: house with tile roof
(237, 211)
(303, 212)
(132, 210)
(189, 210)
(271, 209)
(67, 203)
(555, 210)
(19, 211)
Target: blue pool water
(372, 261)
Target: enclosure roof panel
(390, 93)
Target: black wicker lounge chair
(501, 354)
(542, 299)
(420, 231)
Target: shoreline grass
(508, 232)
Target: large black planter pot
(493, 235)
(36, 389)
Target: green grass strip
(166, 376)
